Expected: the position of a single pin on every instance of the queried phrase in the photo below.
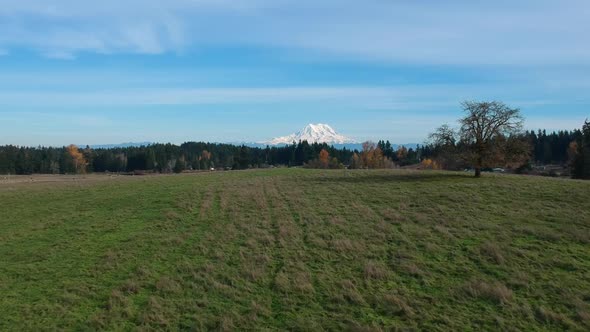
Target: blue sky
(179, 70)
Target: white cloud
(449, 32)
(63, 55)
(396, 98)
(182, 96)
(425, 101)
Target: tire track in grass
(391, 218)
(185, 230)
(296, 215)
(210, 241)
(248, 235)
(187, 262)
(277, 258)
(298, 219)
(221, 292)
(296, 279)
(390, 222)
(364, 228)
(304, 265)
(359, 236)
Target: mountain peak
(313, 133)
(318, 128)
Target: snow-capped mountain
(313, 133)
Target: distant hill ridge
(312, 133)
(114, 146)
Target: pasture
(296, 249)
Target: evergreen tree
(180, 165)
(581, 167)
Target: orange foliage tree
(78, 159)
(429, 164)
(572, 152)
(402, 153)
(372, 157)
(355, 161)
(324, 158)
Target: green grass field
(296, 249)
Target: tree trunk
(477, 172)
(479, 162)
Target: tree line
(489, 135)
(372, 156)
(166, 158)
(552, 148)
(579, 151)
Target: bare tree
(486, 130)
(444, 143)
(443, 136)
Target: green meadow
(296, 249)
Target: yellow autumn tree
(78, 159)
(376, 159)
(367, 154)
(372, 157)
(402, 153)
(356, 161)
(572, 152)
(429, 164)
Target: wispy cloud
(450, 32)
(380, 97)
(421, 97)
(184, 96)
(59, 54)
(385, 68)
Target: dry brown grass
(344, 245)
(375, 270)
(257, 310)
(155, 314)
(348, 292)
(302, 282)
(171, 215)
(411, 268)
(130, 287)
(206, 203)
(167, 285)
(396, 305)
(226, 323)
(110, 259)
(281, 282)
(582, 310)
(546, 315)
(392, 215)
(492, 252)
(495, 292)
(253, 272)
(520, 279)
